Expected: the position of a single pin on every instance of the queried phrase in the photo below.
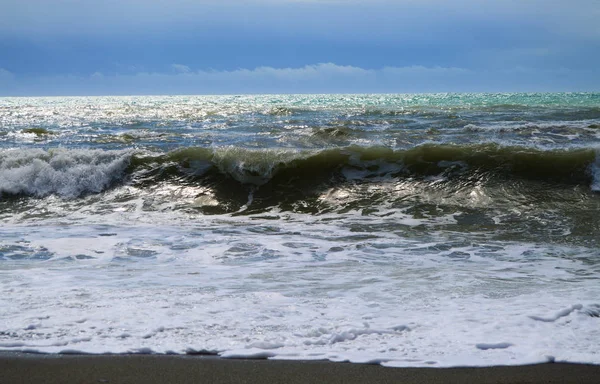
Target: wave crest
(72, 173)
(67, 173)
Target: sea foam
(67, 173)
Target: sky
(130, 47)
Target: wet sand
(149, 369)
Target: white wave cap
(67, 173)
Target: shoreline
(18, 367)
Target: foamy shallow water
(295, 288)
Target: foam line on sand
(149, 369)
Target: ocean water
(406, 230)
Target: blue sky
(115, 47)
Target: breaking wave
(77, 172)
(260, 167)
(67, 173)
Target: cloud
(180, 68)
(318, 78)
(130, 37)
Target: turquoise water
(301, 121)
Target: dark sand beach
(133, 369)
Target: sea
(404, 230)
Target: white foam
(559, 314)
(410, 306)
(67, 173)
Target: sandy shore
(148, 369)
